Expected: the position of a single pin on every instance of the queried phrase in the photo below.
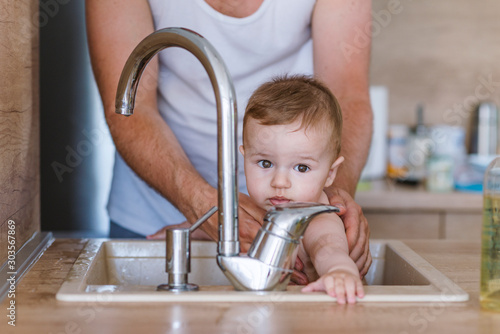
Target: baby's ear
(332, 173)
(242, 150)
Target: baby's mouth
(279, 200)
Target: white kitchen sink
(130, 270)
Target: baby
(291, 145)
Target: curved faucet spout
(226, 115)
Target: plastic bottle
(419, 148)
(440, 174)
(398, 144)
(490, 249)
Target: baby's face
(285, 163)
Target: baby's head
(287, 99)
(291, 140)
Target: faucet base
(177, 288)
(249, 274)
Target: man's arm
(144, 140)
(342, 42)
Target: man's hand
(161, 233)
(250, 218)
(356, 228)
(299, 277)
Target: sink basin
(130, 270)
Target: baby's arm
(325, 243)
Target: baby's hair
(286, 99)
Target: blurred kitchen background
(433, 71)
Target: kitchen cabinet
(398, 211)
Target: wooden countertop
(37, 310)
(386, 195)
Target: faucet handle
(291, 219)
(203, 219)
(303, 205)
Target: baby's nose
(281, 180)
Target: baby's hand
(340, 284)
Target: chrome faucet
(271, 258)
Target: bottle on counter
(419, 147)
(490, 247)
(397, 166)
(447, 154)
(440, 174)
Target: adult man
(167, 150)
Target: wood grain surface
(39, 312)
(19, 121)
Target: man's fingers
(336, 199)
(361, 261)
(364, 261)
(160, 235)
(299, 278)
(250, 220)
(365, 269)
(360, 251)
(355, 243)
(357, 250)
(350, 214)
(251, 209)
(247, 230)
(299, 265)
(340, 205)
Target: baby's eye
(302, 168)
(265, 164)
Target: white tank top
(275, 40)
